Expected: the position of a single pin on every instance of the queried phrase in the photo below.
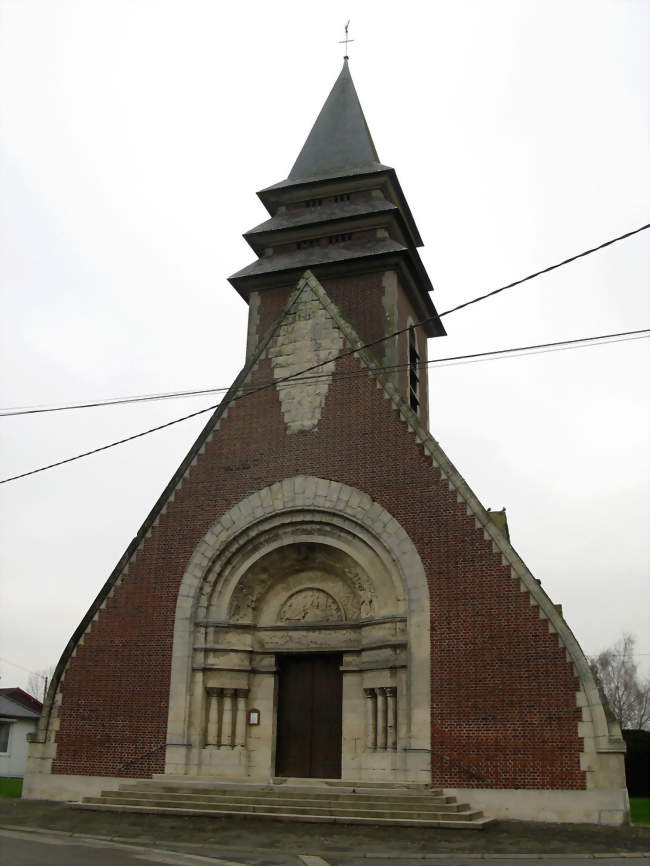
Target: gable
(342, 421)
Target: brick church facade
(318, 592)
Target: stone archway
(286, 573)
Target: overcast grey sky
(133, 138)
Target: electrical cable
(11, 411)
(575, 343)
(329, 361)
(546, 270)
(27, 411)
(22, 668)
(119, 401)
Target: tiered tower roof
(339, 212)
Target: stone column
(227, 719)
(381, 718)
(212, 733)
(371, 719)
(197, 722)
(391, 717)
(240, 721)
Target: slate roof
(340, 138)
(311, 256)
(328, 174)
(337, 186)
(12, 710)
(334, 211)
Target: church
(318, 594)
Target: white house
(16, 722)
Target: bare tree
(38, 681)
(628, 696)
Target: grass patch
(11, 787)
(640, 810)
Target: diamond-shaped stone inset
(307, 336)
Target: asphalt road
(28, 848)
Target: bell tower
(342, 215)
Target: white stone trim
(291, 502)
(605, 806)
(60, 786)
(306, 336)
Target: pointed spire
(340, 138)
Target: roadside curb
(134, 842)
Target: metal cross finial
(346, 40)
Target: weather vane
(346, 40)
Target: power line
(448, 361)
(472, 301)
(546, 270)
(575, 343)
(11, 411)
(22, 668)
(150, 397)
(112, 444)
(329, 361)
(542, 348)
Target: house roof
(23, 698)
(10, 709)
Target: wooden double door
(309, 716)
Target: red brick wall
(503, 693)
(360, 300)
(271, 303)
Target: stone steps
(288, 797)
(284, 782)
(474, 824)
(366, 808)
(297, 800)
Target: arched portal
(306, 576)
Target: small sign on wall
(253, 716)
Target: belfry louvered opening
(414, 378)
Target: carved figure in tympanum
(310, 605)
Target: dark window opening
(414, 378)
(343, 197)
(314, 202)
(5, 728)
(311, 242)
(339, 239)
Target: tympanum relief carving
(366, 600)
(310, 605)
(244, 603)
(297, 640)
(276, 588)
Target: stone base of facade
(52, 786)
(604, 806)
(600, 806)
